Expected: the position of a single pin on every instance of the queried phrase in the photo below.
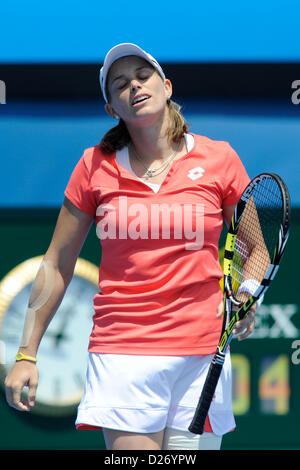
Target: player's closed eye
(144, 74)
(122, 84)
(140, 75)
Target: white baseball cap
(123, 50)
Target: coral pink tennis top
(159, 273)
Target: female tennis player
(158, 195)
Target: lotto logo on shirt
(152, 221)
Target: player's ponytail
(115, 139)
(178, 127)
(118, 137)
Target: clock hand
(60, 335)
(57, 336)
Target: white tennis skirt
(145, 394)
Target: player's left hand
(244, 327)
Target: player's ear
(168, 89)
(111, 112)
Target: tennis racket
(254, 246)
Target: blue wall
(40, 143)
(76, 31)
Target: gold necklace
(154, 171)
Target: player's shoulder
(94, 152)
(212, 144)
(94, 156)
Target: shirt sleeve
(235, 178)
(78, 189)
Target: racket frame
(230, 318)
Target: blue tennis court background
(77, 31)
(41, 142)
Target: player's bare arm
(48, 290)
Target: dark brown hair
(118, 137)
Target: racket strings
(257, 235)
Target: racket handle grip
(214, 372)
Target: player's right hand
(22, 374)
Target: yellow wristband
(20, 357)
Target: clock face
(62, 354)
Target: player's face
(136, 90)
